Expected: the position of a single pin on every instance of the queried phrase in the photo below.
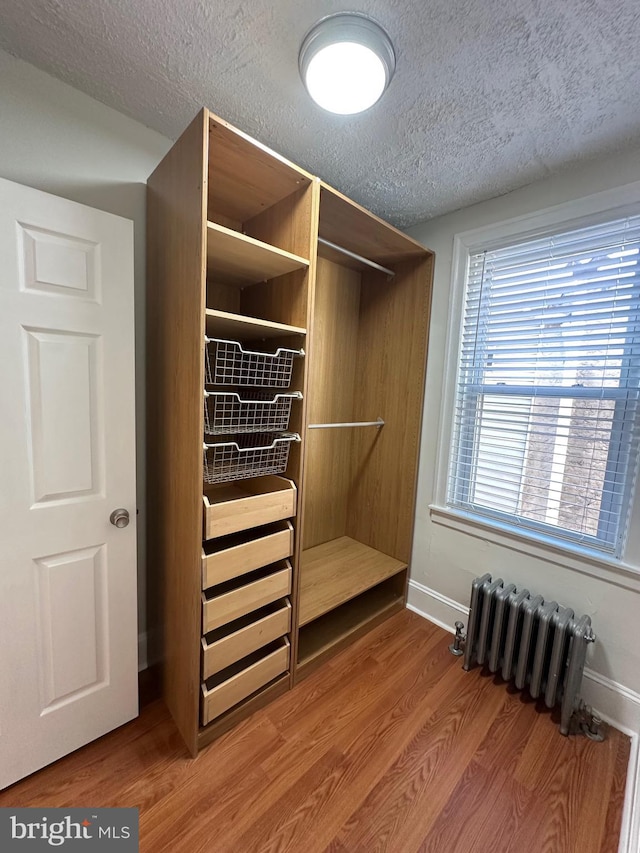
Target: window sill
(568, 555)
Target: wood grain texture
(236, 555)
(219, 609)
(289, 224)
(220, 650)
(331, 389)
(232, 507)
(300, 419)
(347, 224)
(237, 327)
(341, 626)
(392, 354)
(176, 252)
(240, 260)
(232, 688)
(337, 571)
(389, 747)
(246, 177)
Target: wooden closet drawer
(231, 507)
(242, 679)
(240, 553)
(226, 603)
(244, 636)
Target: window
(546, 422)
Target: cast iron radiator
(539, 644)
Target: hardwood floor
(389, 747)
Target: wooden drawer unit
(278, 264)
(232, 507)
(231, 556)
(236, 682)
(229, 644)
(230, 601)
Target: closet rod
(378, 423)
(359, 258)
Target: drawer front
(231, 605)
(218, 699)
(240, 559)
(252, 510)
(227, 650)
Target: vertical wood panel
(176, 259)
(332, 384)
(288, 225)
(302, 373)
(392, 351)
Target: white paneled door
(68, 630)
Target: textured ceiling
(488, 95)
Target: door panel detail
(62, 374)
(71, 595)
(59, 264)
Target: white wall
(57, 139)
(446, 560)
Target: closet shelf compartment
(341, 626)
(228, 412)
(228, 363)
(224, 324)
(236, 259)
(247, 456)
(338, 571)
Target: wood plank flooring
(391, 746)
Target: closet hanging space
(366, 378)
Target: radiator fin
(538, 644)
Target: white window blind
(546, 423)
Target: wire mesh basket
(247, 456)
(255, 411)
(227, 363)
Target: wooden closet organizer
(265, 576)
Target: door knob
(119, 517)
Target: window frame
(591, 210)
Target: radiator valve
(590, 723)
(459, 638)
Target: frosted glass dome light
(346, 62)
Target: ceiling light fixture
(346, 62)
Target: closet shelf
(236, 259)
(222, 324)
(344, 624)
(338, 571)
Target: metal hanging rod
(360, 258)
(379, 423)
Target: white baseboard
(435, 607)
(615, 703)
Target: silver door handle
(119, 517)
